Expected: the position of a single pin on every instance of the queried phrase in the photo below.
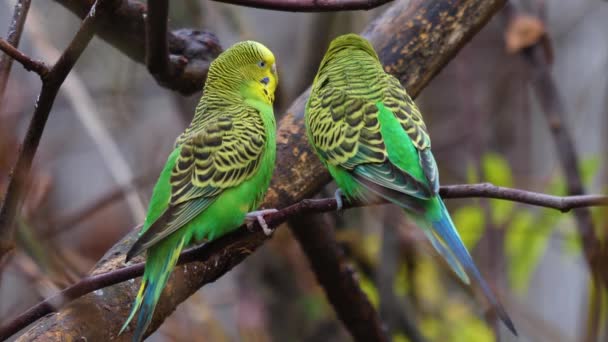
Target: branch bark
(396, 313)
(190, 50)
(204, 253)
(309, 5)
(13, 37)
(415, 39)
(157, 50)
(353, 308)
(28, 63)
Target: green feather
(218, 172)
(371, 136)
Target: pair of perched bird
(361, 123)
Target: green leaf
(431, 328)
(470, 222)
(589, 168)
(399, 337)
(472, 175)
(314, 306)
(428, 284)
(471, 328)
(402, 286)
(370, 290)
(498, 172)
(572, 244)
(526, 241)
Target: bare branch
(13, 37)
(190, 50)
(157, 50)
(315, 241)
(28, 63)
(51, 83)
(488, 190)
(309, 5)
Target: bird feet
(258, 215)
(338, 196)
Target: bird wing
(346, 131)
(221, 155)
(407, 113)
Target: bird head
(247, 67)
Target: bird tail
(159, 265)
(444, 237)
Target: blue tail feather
(448, 243)
(154, 280)
(146, 312)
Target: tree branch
(13, 37)
(316, 238)
(309, 5)
(553, 107)
(415, 39)
(157, 50)
(28, 63)
(51, 83)
(207, 252)
(396, 313)
(189, 50)
(488, 190)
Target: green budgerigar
(218, 172)
(371, 137)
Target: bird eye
(261, 64)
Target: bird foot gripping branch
(258, 216)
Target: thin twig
(13, 37)
(488, 190)
(51, 83)
(309, 5)
(157, 49)
(305, 207)
(29, 64)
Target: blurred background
(112, 127)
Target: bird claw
(258, 215)
(339, 202)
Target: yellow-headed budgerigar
(218, 172)
(370, 135)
